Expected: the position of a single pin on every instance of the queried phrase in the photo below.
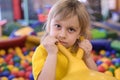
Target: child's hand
(49, 42)
(86, 46)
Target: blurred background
(21, 23)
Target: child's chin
(66, 46)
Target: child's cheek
(52, 33)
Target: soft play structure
(77, 69)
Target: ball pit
(15, 64)
(108, 62)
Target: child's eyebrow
(75, 27)
(56, 21)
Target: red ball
(11, 62)
(8, 57)
(14, 73)
(25, 64)
(101, 68)
(27, 74)
(21, 73)
(108, 62)
(29, 68)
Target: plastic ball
(114, 61)
(113, 52)
(101, 68)
(11, 62)
(4, 64)
(17, 64)
(112, 66)
(111, 69)
(11, 77)
(15, 71)
(4, 78)
(21, 73)
(108, 62)
(99, 62)
(105, 66)
(21, 68)
(117, 64)
(8, 57)
(5, 68)
(104, 59)
(113, 56)
(26, 53)
(1, 60)
(6, 73)
(27, 74)
(2, 52)
(21, 78)
(31, 53)
(10, 67)
(16, 59)
(102, 52)
(107, 54)
(108, 73)
(10, 50)
(118, 55)
(29, 68)
(24, 49)
(117, 73)
(31, 76)
(25, 64)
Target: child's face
(67, 31)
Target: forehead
(68, 20)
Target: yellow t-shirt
(39, 58)
(83, 73)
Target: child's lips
(63, 43)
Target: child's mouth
(63, 43)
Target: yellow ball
(109, 73)
(4, 78)
(10, 67)
(117, 73)
(2, 52)
(10, 50)
(105, 66)
(1, 60)
(102, 52)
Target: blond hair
(68, 8)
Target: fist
(86, 46)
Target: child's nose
(62, 34)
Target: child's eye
(57, 26)
(71, 30)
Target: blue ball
(107, 54)
(99, 62)
(11, 77)
(5, 73)
(31, 77)
(16, 59)
(17, 64)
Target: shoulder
(40, 52)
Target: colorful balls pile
(108, 62)
(15, 64)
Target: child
(67, 22)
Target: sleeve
(38, 60)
